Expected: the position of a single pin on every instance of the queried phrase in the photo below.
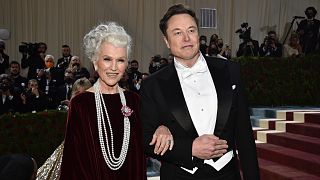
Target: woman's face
(111, 64)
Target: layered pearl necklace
(113, 162)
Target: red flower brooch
(126, 111)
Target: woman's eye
(121, 60)
(107, 59)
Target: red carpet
(294, 154)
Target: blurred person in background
(10, 101)
(20, 82)
(308, 30)
(77, 69)
(293, 48)
(34, 100)
(4, 58)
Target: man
(34, 61)
(201, 101)
(134, 76)
(270, 46)
(19, 82)
(308, 30)
(64, 61)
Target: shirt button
(201, 109)
(198, 93)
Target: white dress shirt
(201, 98)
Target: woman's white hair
(49, 57)
(109, 32)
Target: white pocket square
(234, 87)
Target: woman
(293, 49)
(50, 170)
(104, 134)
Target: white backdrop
(59, 22)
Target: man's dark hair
(272, 32)
(14, 62)
(312, 9)
(134, 61)
(174, 10)
(65, 46)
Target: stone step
(269, 123)
(288, 113)
(262, 135)
(303, 161)
(308, 117)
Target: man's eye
(177, 33)
(107, 59)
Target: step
(273, 171)
(303, 161)
(262, 135)
(288, 113)
(269, 123)
(306, 129)
(282, 125)
(308, 117)
(295, 141)
(256, 129)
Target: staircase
(288, 143)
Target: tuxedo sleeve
(243, 131)
(153, 115)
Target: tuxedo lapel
(173, 95)
(221, 79)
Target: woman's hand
(162, 139)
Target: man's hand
(208, 146)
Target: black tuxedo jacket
(163, 103)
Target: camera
(244, 32)
(28, 48)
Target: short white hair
(109, 32)
(49, 57)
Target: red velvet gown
(82, 156)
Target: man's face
(310, 14)
(65, 51)
(14, 69)
(183, 38)
(134, 66)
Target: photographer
(271, 47)
(77, 69)
(31, 57)
(248, 47)
(308, 30)
(134, 76)
(154, 64)
(10, 102)
(34, 100)
(49, 79)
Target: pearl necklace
(114, 163)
